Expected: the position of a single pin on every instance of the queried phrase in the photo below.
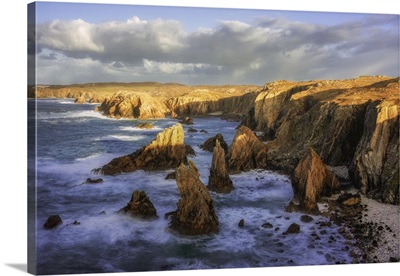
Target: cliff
(352, 123)
(133, 105)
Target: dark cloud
(234, 51)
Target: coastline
(386, 217)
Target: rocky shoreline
(324, 134)
(372, 227)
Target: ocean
(73, 139)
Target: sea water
(73, 139)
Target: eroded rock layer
(166, 151)
(311, 180)
(219, 180)
(195, 214)
(246, 152)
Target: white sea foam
(121, 138)
(135, 129)
(113, 242)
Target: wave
(121, 138)
(135, 129)
(71, 114)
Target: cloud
(232, 52)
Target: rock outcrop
(375, 166)
(80, 100)
(351, 123)
(133, 105)
(311, 180)
(211, 142)
(144, 126)
(52, 222)
(140, 206)
(166, 151)
(219, 180)
(94, 181)
(246, 152)
(195, 214)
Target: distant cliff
(352, 123)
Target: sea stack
(167, 151)
(195, 214)
(219, 180)
(311, 180)
(246, 152)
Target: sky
(82, 43)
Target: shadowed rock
(167, 151)
(80, 100)
(187, 121)
(189, 150)
(294, 228)
(219, 180)
(246, 152)
(94, 181)
(311, 180)
(140, 206)
(52, 222)
(210, 143)
(195, 214)
(144, 126)
(375, 166)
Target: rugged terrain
(351, 124)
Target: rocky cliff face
(166, 151)
(311, 180)
(133, 105)
(351, 123)
(375, 166)
(195, 214)
(219, 180)
(246, 152)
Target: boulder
(80, 100)
(189, 150)
(140, 206)
(94, 181)
(195, 214)
(192, 130)
(171, 175)
(144, 126)
(267, 225)
(246, 152)
(311, 180)
(210, 143)
(187, 121)
(294, 228)
(166, 151)
(349, 199)
(219, 180)
(306, 218)
(52, 222)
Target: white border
(13, 128)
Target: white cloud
(232, 52)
